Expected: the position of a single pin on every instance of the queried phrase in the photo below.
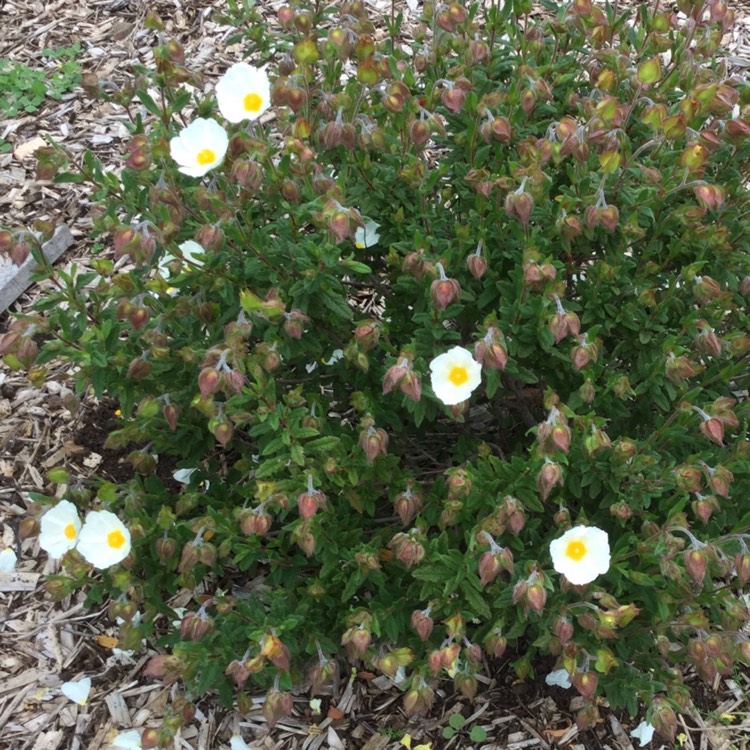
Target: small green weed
(457, 723)
(24, 89)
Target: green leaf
(448, 732)
(456, 721)
(478, 734)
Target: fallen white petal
(77, 690)
(8, 560)
(129, 740)
(237, 743)
(644, 732)
(559, 678)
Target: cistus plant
(406, 313)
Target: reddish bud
(422, 623)
(696, 562)
(713, 429)
(196, 625)
(374, 442)
(585, 683)
(477, 265)
(170, 413)
(208, 381)
(407, 504)
(453, 98)
(444, 291)
(277, 706)
(549, 476)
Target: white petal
(560, 678)
(237, 743)
(8, 560)
(77, 691)
(94, 542)
(129, 740)
(189, 249)
(52, 537)
(183, 475)
(643, 732)
(367, 236)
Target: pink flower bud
(495, 644)
(664, 719)
(444, 291)
(309, 502)
(170, 413)
(411, 385)
(558, 326)
(374, 442)
(407, 504)
(196, 625)
(277, 706)
(435, 661)
(395, 375)
(713, 429)
(585, 683)
(453, 98)
(705, 506)
(549, 476)
(477, 265)
(422, 623)
(294, 323)
(720, 479)
(419, 132)
(678, 369)
(208, 381)
(563, 629)
(696, 562)
(459, 484)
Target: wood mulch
(44, 643)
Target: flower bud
(477, 265)
(453, 98)
(713, 429)
(466, 684)
(277, 706)
(705, 289)
(357, 640)
(664, 719)
(196, 625)
(705, 506)
(696, 562)
(411, 385)
(585, 683)
(309, 502)
(549, 476)
(255, 523)
(367, 334)
(444, 291)
(374, 442)
(407, 504)
(208, 381)
(418, 701)
(422, 623)
(678, 369)
(719, 480)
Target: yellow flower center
(115, 539)
(70, 531)
(458, 375)
(253, 103)
(206, 156)
(575, 550)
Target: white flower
(104, 540)
(77, 690)
(581, 554)
(8, 560)
(559, 678)
(129, 740)
(200, 147)
(237, 743)
(59, 529)
(643, 732)
(243, 93)
(367, 236)
(455, 375)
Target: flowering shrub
(448, 341)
